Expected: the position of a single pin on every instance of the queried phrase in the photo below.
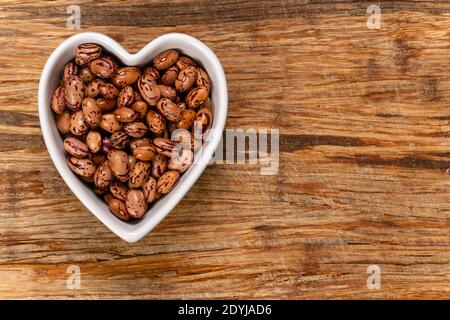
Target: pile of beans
(128, 131)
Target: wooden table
(364, 174)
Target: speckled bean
(149, 189)
(149, 89)
(138, 174)
(126, 97)
(91, 112)
(58, 102)
(94, 141)
(75, 147)
(168, 181)
(74, 93)
(103, 68)
(186, 78)
(118, 162)
(165, 59)
(126, 76)
(119, 209)
(135, 203)
(82, 167)
(110, 123)
(135, 129)
(159, 165)
(103, 175)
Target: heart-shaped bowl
(51, 75)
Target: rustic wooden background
(364, 174)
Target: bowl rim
(128, 231)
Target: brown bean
(106, 104)
(186, 79)
(87, 52)
(159, 165)
(135, 129)
(109, 91)
(169, 109)
(75, 147)
(77, 124)
(118, 190)
(82, 167)
(126, 76)
(139, 142)
(149, 189)
(182, 161)
(169, 77)
(86, 75)
(196, 97)
(155, 122)
(138, 174)
(203, 79)
(168, 181)
(125, 114)
(74, 93)
(135, 203)
(187, 119)
(63, 122)
(165, 59)
(140, 107)
(164, 146)
(185, 62)
(58, 102)
(103, 67)
(149, 89)
(144, 153)
(91, 112)
(94, 141)
(126, 97)
(204, 119)
(119, 209)
(152, 72)
(120, 140)
(71, 69)
(109, 123)
(118, 162)
(167, 92)
(92, 89)
(103, 175)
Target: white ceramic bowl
(50, 78)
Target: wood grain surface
(364, 176)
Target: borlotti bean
(127, 130)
